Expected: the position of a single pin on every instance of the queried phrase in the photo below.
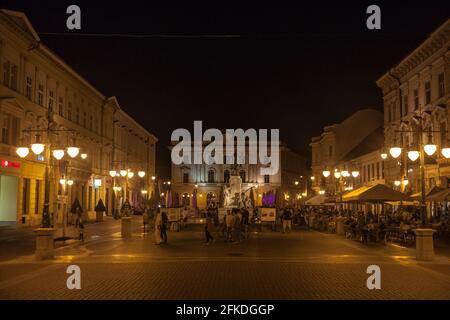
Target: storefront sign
(10, 164)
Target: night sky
(293, 68)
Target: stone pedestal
(340, 225)
(44, 243)
(99, 216)
(424, 244)
(126, 227)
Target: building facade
(34, 81)
(206, 181)
(350, 146)
(418, 90)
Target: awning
(431, 192)
(443, 195)
(318, 200)
(375, 194)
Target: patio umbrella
(318, 200)
(433, 191)
(375, 194)
(76, 205)
(443, 195)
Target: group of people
(235, 225)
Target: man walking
(164, 222)
(287, 220)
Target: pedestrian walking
(229, 223)
(245, 222)
(158, 222)
(80, 231)
(164, 226)
(145, 219)
(208, 227)
(287, 220)
(237, 226)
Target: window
(416, 99)
(226, 176)
(77, 116)
(185, 177)
(10, 75)
(330, 151)
(266, 178)
(61, 106)
(14, 130)
(41, 95)
(242, 175)
(211, 176)
(405, 105)
(373, 171)
(5, 128)
(37, 195)
(90, 122)
(84, 119)
(25, 195)
(441, 85)
(28, 88)
(51, 100)
(69, 111)
(427, 92)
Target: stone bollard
(126, 227)
(424, 244)
(340, 226)
(99, 216)
(44, 243)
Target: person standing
(287, 220)
(158, 223)
(245, 222)
(80, 231)
(237, 226)
(145, 219)
(229, 223)
(164, 223)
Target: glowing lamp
(430, 149)
(83, 156)
(73, 151)
(384, 155)
(37, 148)
(22, 152)
(446, 152)
(413, 155)
(113, 173)
(70, 182)
(130, 174)
(141, 174)
(58, 154)
(395, 152)
(326, 173)
(397, 183)
(355, 174)
(123, 173)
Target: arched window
(211, 176)
(226, 176)
(242, 175)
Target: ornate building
(35, 81)
(418, 88)
(206, 181)
(353, 145)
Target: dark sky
(293, 68)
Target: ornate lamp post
(424, 235)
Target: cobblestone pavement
(270, 265)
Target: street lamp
(384, 155)
(123, 172)
(112, 173)
(141, 174)
(326, 173)
(37, 148)
(413, 155)
(130, 174)
(22, 152)
(58, 154)
(355, 174)
(73, 151)
(395, 152)
(69, 182)
(83, 156)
